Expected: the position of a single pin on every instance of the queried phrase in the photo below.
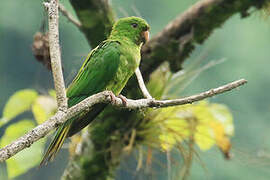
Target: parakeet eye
(134, 25)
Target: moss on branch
(179, 38)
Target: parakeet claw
(123, 98)
(113, 97)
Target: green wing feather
(97, 71)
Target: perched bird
(107, 67)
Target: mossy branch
(179, 38)
(96, 19)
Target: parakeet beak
(145, 36)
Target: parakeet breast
(129, 61)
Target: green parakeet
(107, 67)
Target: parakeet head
(132, 28)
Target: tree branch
(69, 16)
(143, 88)
(103, 97)
(55, 55)
(179, 38)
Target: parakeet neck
(131, 49)
(127, 37)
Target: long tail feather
(71, 127)
(81, 122)
(56, 144)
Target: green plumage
(107, 67)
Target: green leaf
(18, 103)
(43, 108)
(224, 116)
(204, 137)
(206, 123)
(3, 121)
(39, 113)
(26, 159)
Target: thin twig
(103, 97)
(55, 54)
(143, 88)
(69, 16)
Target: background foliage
(244, 43)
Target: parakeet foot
(113, 97)
(123, 98)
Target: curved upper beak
(145, 36)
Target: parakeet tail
(56, 144)
(79, 123)
(71, 127)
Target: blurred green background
(243, 42)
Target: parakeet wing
(97, 71)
